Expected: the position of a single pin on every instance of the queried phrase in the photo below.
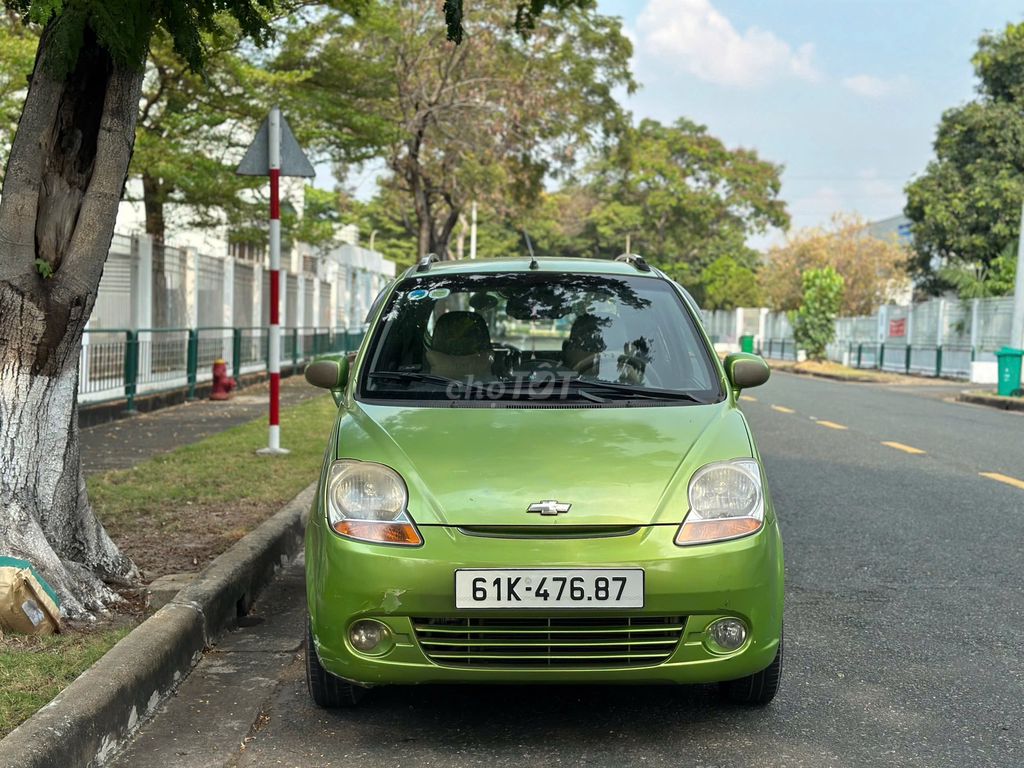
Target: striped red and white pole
(274, 364)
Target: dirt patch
(191, 539)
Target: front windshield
(596, 338)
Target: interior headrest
(461, 333)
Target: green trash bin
(747, 344)
(1009, 371)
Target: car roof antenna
(529, 245)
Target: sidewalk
(124, 443)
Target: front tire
(757, 689)
(325, 689)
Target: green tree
(814, 322)
(966, 207)
(978, 282)
(683, 198)
(487, 120)
(728, 284)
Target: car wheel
(759, 688)
(325, 689)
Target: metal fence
(123, 364)
(939, 337)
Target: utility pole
(627, 244)
(1017, 329)
(472, 232)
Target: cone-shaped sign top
(257, 158)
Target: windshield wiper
(413, 376)
(431, 378)
(607, 387)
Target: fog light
(728, 634)
(366, 635)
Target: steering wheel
(631, 366)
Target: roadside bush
(814, 322)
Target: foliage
(814, 322)
(874, 269)
(124, 27)
(683, 198)
(966, 207)
(17, 53)
(488, 120)
(727, 284)
(980, 282)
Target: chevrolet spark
(539, 474)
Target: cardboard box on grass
(28, 605)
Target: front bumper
(347, 581)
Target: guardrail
(123, 364)
(951, 361)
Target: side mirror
(329, 373)
(745, 370)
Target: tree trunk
(65, 175)
(156, 228)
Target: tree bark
(65, 175)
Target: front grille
(618, 641)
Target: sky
(845, 94)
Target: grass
(35, 669)
(175, 512)
(172, 513)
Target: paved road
(904, 627)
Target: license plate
(550, 588)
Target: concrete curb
(92, 717)
(786, 367)
(992, 401)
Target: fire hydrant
(222, 383)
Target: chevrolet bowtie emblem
(549, 507)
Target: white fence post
(300, 311)
(228, 311)
(192, 286)
(257, 295)
(316, 303)
(142, 294)
(975, 325)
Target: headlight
(726, 502)
(367, 501)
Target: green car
(539, 474)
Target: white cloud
(873, 87)
(696, 38)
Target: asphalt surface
(904, 627)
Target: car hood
(486, 466)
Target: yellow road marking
(1004, 479)
(905, 448)
(782, 409)
(748, 398)
(829, 424)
